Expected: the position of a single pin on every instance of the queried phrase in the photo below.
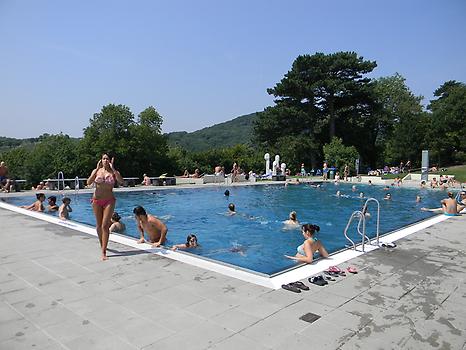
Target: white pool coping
(275, 282)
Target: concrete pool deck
(56, 294)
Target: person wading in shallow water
(155, 229)
(103, 201)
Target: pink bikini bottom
(103, 202)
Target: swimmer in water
(231, 209)
(37, 205)
(65, 209)
(305, 252)
(338, 194)
(117, 225)
(353, 188)
(227, 193)
(418, 199)
(388, 197)
(155, 229)
(191, 242)
(361, 195)
(292, 221)
(238, 248)
(450, 206)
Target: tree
(108, 131)
(338, 155)
(152, 119)
(44, 159)
(138, 147)
(447, 128)
(149, 148)
(399, 122)
(320, 97)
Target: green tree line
(325, 109)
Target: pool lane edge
(275, 282)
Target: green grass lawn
(459, 171)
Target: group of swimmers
(63, 210)
(104, 177)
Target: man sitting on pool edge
(155, 229)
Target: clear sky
(202, 62)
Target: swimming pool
(255, 238)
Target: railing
(364, 210)
(76, 186)
(355, 214)
(361, 215)
(60, 177)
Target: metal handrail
(62, 179)
(76, 185)
(364, 210)
(361, 216)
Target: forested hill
(233, 132)
(7, 143)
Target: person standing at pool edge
(103, 200)
(156, 229)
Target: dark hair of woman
(310, 228)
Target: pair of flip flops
(388, 244)
(318, 280)
(335, 271)
(295, 286)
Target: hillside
(7, 143)
(230, 133)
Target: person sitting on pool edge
(292, 221)
(305, 252)
(191, 242)
(116, 225)
(155, 229)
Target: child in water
(116, 225)
(38, 205)
(191, 242)
(65, 209)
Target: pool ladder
(76, 186)
(61, 179)
(360, 214)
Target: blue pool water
(255, 238)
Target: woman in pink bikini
(103, 201)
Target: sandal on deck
(299, 285)
(291, 288)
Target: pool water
(255, 238)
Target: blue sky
(202, 62)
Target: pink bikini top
(109, 179)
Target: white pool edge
(269, 282)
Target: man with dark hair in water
(156, 229)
